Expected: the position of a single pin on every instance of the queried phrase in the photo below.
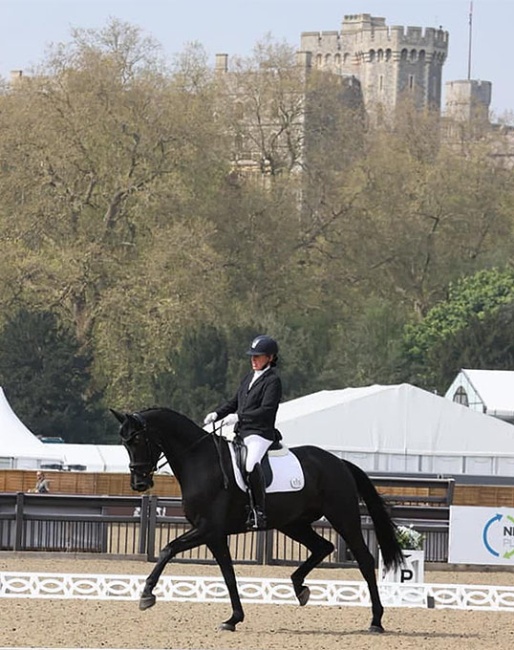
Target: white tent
(95, 458)
(20, 448)
(401, 429)
(486, 391)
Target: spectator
(42, 484)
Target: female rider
(253, 410)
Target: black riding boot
(257, 494)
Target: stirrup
(256, 520)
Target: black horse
(216, 507)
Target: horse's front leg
(188, 540)
(219, 548)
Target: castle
(389, 62)
(392, 62)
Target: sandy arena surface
(97, 624)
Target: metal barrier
(141, 526)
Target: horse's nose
(141, 484)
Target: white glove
(210, 418)
(230, 420)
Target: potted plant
(409, 539)
(413, 568)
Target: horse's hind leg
(349, 527)
(319, 548)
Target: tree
(108, 162)
(46, 378)
(196, 381)
(469, 326)
(366, 347)
(262, 98)
(485, 342)
(409, 214)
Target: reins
(217, 444)
(214, 434)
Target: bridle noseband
(145, 469)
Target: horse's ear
(121, 417)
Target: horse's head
(143, 453)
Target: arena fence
(141, 526)
(254, 590)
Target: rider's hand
(210, 418)
(230, 420)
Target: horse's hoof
(303, 596)
(376, 629)
(145, 602)
(227, 627)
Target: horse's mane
(179, 416)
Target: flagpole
(470, 38)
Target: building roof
(495, 388)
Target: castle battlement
(375, 27)
(388, 60)
(393, 37)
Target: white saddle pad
(287, 472)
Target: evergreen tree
(46, 378)
(196, 381)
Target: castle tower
(390, 62)
(468, 99)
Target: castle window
(388, 54)
(411, 81)
(319, 60)
(422, 55)
(346, 58)
(381, 83)
(413, 55)
(337, 60)
(371, 56)
(238, 143)
(380, 114)
(327, 59)
(404, 55)
(380, 55)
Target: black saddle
(240, 452)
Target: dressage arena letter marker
(406, 575)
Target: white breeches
(257, 447)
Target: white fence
(253, 590)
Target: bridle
(145, 469)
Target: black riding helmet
(263, 344)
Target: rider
(254, 408)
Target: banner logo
(498, 536)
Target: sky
(28, 27)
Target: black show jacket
(256, 407)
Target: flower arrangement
(408, 538)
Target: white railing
(253, 590)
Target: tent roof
(495, 388)
(96, 458)
(17, 441)
(398, 419)
(326, 400)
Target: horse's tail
(385, 529)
